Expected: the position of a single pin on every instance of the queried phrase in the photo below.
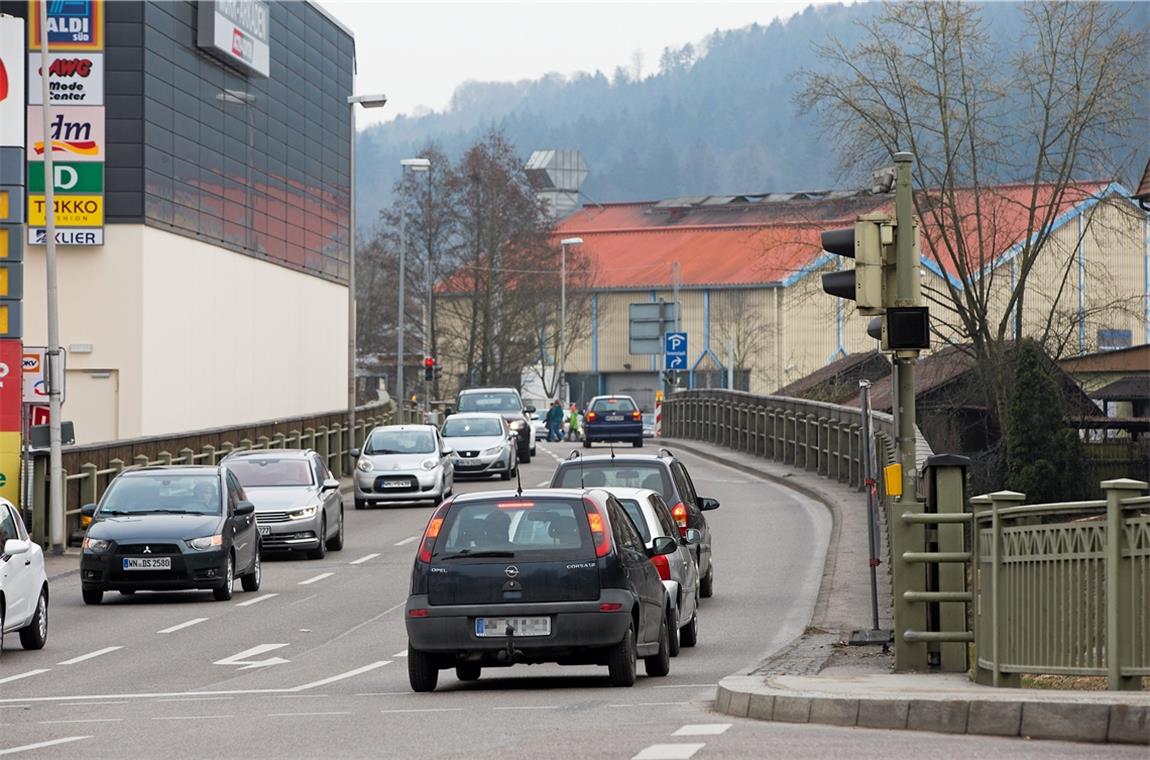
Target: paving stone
(835, 711)
(792, 709)
(739, 704)
(942, 716)
(994, 718)
(1067, 721)
(762, 707)
(883, 713)
(722, 699)
(1129, 724)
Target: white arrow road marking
(243, 657)
(342, 676)
(257, 600)
(18, 676)
(89, 656)
(361, 560)
(181, 626)
(42, 745)
(319, 577)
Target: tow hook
(510, 643)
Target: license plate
(147, 563)
(395, 484)
(614, 418)
(524, 626)
(467, 462)
(264, 530)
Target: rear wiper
(469, 553)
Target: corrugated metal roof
(1144, 185)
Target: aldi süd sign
(237, 31)
(76, 177)
(73, 79)
(72, 25)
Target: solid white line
(257, 600)
(319, 577)
(191, 717)
(702, 729)
(361, 560)
(80, 720)
(18, 676)
(668, 752)
(89, 656)
(527, 707)
(400, 654)
(92, 704)
(194, 699)
(342, 676)
(42, 745)
(376, 694)
(407, 540)
(651, 704)
(181, 626)
(306, 714)
(424, 710)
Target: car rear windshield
(631, 507)
(516, 527)
(400, 442)
(254, 473)
(489, 402)
(458, 428)
(615, 474)
(156, 492)
(613, 405)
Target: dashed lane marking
(652, 704)
(702, 729)
(307, 598)
(527, 707)
(181, 626)
(423, 710)
(319, 577)
(342, 676)
(307, 714)
(407, 540)
(89, 656)
(668, 752)
(543, 484)
(195, 699)
(400, 654)
(29, 674)
(361, 560)
(42, 745)
(192, 717)
(257, 600)
(80, 720)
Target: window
(663, 513)
(615, 474)
(464, 427)
(490, 402)
(261, 472)
(162, 492)
(8, 528)
(635, 512)
(683, 480)
(625, 531)
(321, 473)
(614, 406)
(400, 442)
(516, 526)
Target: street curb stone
(994, 718)
(1069, 722)
(835, 712)
(883, 713)
(944, 717)
(1129, 724)
(792, 709)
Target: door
(19, 581)
(641, 573)
(93, 403)
(330, 498)
(243, 527)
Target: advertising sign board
(72, 25)
(71, 210)
(11, 81)
(34, 366)
(83, 178)
(68, 236)
(237, 32)
(77, 133)
(73, 79)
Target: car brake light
(610, 607)
(598, 526)
(590, 416)
(661, 564)
(517, 504)
(418, 612)
(431, 532)
(636, 416)
(680, 515)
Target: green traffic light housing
(870, 243)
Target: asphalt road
(312, 665)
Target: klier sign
(236, 31)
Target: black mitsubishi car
(167, 528)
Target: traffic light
(870, 242)
(429, 368)
(902, 328)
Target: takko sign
(73, 79)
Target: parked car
(167, 528)
(648, 424)
(23, 582)
(538, 426)
(546, 576)
(483, 445)
(614, 419)
(403, 463)
(663, 473)
(678, 571)
(298, 504)
(507, 402)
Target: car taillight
(661, 564)
(597, 522)
(419, 612)
(431, 532)
(680, 515)
(590, 416)
(636, 416)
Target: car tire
(422, 670)
(360, 504)
(621, 660)
(35, 634)
(505, 475)
(673, 643)
(223, 592)
(335, 544)
(320, 551)
(638, 443)
(707, 584)
(1, 628)
(659, 664)
(251, 581)
(468, 671)
(586, 443)
(92, 595)
(689, 634)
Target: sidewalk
(818, 679)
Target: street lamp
(563, 309)
(416, 165)
(367, 101)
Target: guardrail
(89, 468)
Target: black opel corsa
(552, 575)
(167, 528)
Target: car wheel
(689, 634)
(251, 581)
(1, 628)
(360, 504)
(638, 442)
(224, 593)
(586, 443)
(505, 475)
(468, 671)
(336, 542)
(673, 643)
(422, 671)
(524, 457)
(659, 664)
(622, 659)
(320, 551)
(707, 585)
(35, 634)
(92, 595)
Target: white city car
(23, 582)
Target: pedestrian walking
(573, 425)
(555, 422)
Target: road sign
(647, 322)
(675, 351)
(35, 369)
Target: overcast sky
(417, 53)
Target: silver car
(298, 504)
(483, 445)
(679, 572)
(403, 463)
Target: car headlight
(429, 464)
(205, 542)
(364, 465)
(303, 513)
(97, 545)
(493, 451)
(518, 424)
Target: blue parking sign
(675, 351)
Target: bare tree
(547, 286)
(739, 322)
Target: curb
(746, 697)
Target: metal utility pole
(415, 164)
(560, 385)
(427, 305)
(906, 294)
(871, 486)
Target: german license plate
(614, 418)
(147, 563)
(468, 462)
(264, 530)
(523, 626)
(395, 484)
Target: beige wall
(197, 336)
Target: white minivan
(23, 582)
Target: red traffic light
(429, 361)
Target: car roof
(613, 395)
(403, 427)
(639, 494)
(465, 391)
(598, 458)
(529, 493)
(270, 454)
(174, 469)
(477, 415)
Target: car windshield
(164, 493)
(489, 402)
(461, 428)
(613, 406)
(400, 442)
(256, 473)
(615, 474)
(631, 507)
(514, 526)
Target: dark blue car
(615, 419)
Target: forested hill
(716, 117)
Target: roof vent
(557, 176)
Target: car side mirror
(331, 484)
(663, 545)
(88, 510)
(692, 536)
(355, 453)
(447, 451)
(529, 409)
(707, 504)
(16, 546)
(244, 508)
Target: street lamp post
(427, 315)
(563, 312)
(367, 101)
(416, 165)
